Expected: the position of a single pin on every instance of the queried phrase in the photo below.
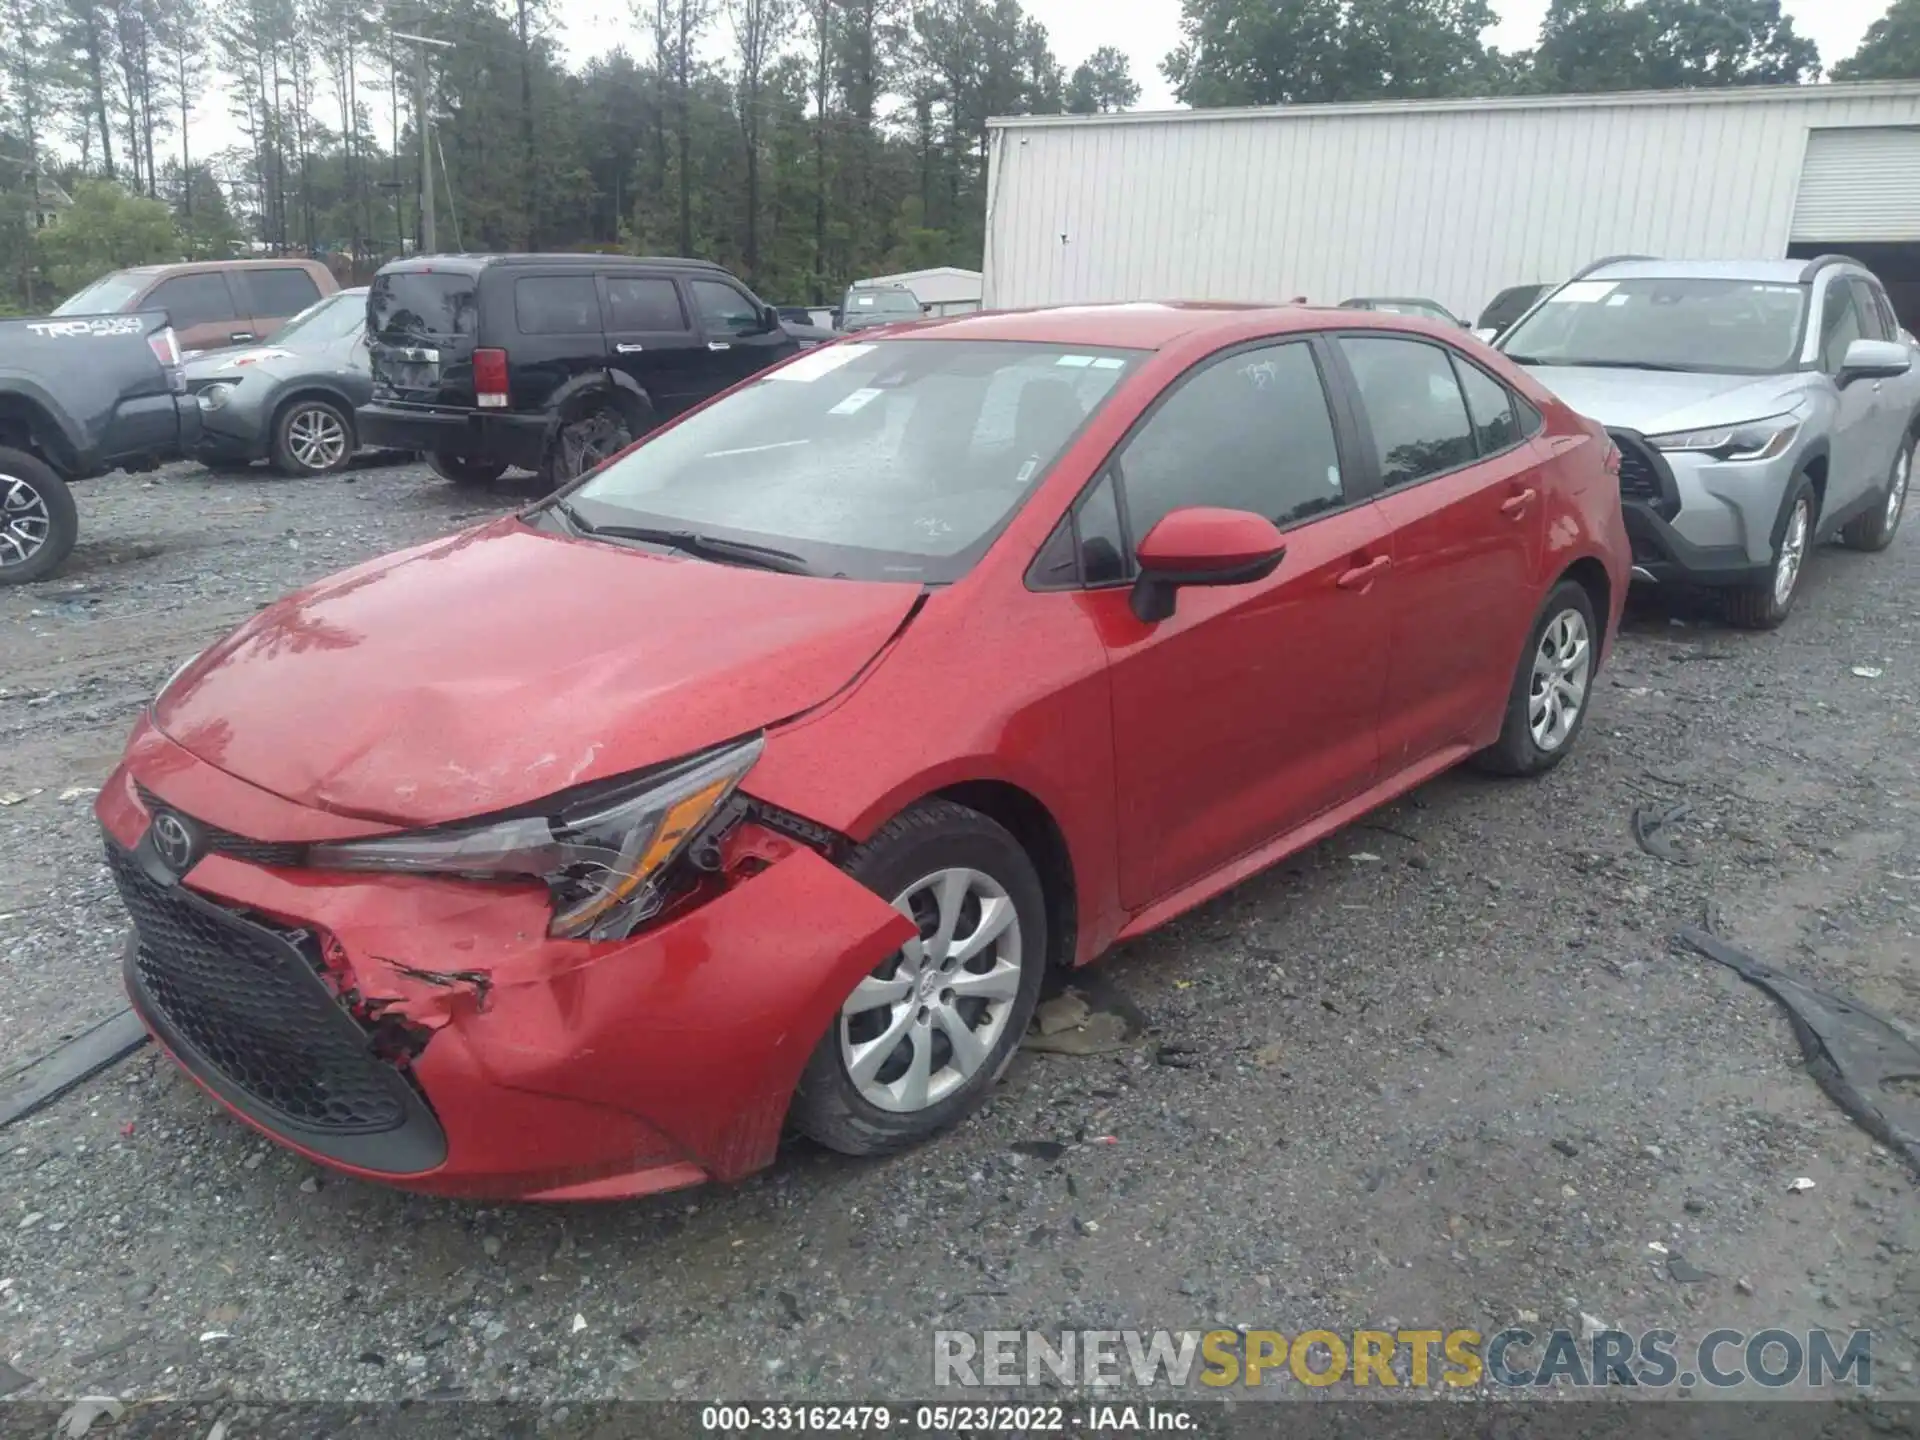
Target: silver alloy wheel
(923, 1024)
(1793, 552)
(25, 521)
(1897, 491)
(316, 438)
(1561, 667)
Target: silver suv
(1760, 407)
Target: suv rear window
(422, 303)
(557, 305)
(281, 292)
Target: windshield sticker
(1585, 292)
(1107, 362)
(1616, 299)
(1075, 362)
(856, 402)
(815, 363)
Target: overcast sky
(1144, 30)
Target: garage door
(1859, 185)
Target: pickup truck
(80, 395)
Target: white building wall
(1451, 200)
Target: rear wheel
(38, 524)
(1548, 701)
(1875, 529)
(460, 471)
(588, 438)
(1766, 603)
(311, 437)
(920, 1041)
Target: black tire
(599, 429)
(38, 523)
(1875, 529)
(314, 453)
(458, 470)
(1517, 751)
(1758, 605)
(933, 836)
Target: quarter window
(192, 300)
(639, 302)
(1103, 547)
(1249, 432)
(556, 305)
(1489, 407)
(1413, 405)
(725, 309)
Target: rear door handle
(718, 345)
(1362, 576)
(628, 349)
(1515, 506)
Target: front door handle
(1363, 576)
(240, 337)
(1515, 506)
(628, 349)
(718, 345)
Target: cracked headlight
(606, 860)
(1749, 440)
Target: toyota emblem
(172, 841)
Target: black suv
(551, 362)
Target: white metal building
(1452, 200)
(942, 290)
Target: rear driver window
(637, 302)
(281, 292)
(556, 305)
(1413, 405)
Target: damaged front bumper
(427, 1032)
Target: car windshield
(1712, 325)
(106, 296)
(899, 460)
(335, 318)
(881, 302)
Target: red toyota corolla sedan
(756, 779)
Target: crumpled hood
(212, 365)
(1658, 402)
(502, 665)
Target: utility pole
(421, 125)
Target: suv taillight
(490, 379)
(165, 346)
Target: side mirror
(769, 320)
(1874, 360)
(1201, 545)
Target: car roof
(1778, 272)
(1393, 300)
(1145, 324)
(178, 265)
(469, 263)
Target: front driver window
(1250, 431)
(1839, 326)
(725, 309)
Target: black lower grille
(1642, 473)
(254, 1008)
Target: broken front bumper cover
(527, 1067)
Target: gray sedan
(291, 400)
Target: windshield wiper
(688, 542)
(1599, 364)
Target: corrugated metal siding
(1859, 185)
(1452, 202)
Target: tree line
(805, 143)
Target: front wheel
(1547, 703)
(38, 523)
(1765, 603)
(585, 441)
(918, 1043)
(458, 470)
(312, 437)
(1875, 529)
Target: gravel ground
(1443, 1070)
